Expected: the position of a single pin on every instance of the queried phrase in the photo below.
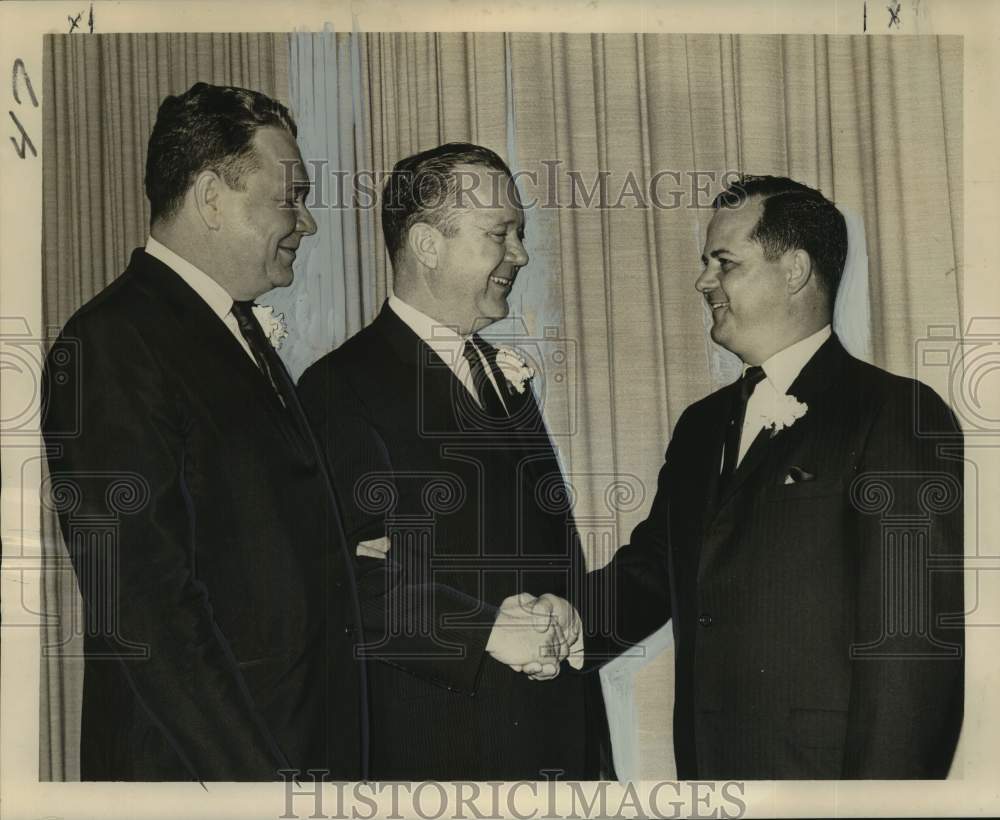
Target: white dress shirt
(211, 292)
(447, 344)
(780, 371)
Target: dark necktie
(748, 382)
(264, 353)
(489, 399)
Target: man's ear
(207, 194)
(424, 242)
(799, 270)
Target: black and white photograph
(455, 410)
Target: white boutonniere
(781, 411)
(514, 367)
(272, 323)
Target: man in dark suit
(454, 499)
(806, 534)
(192, 498)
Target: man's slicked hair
(425, 188)
(794, 216)
(208, 127)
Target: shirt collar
(442, 339)
(783, 368)
(213, 294)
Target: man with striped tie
(441, 458)
(215, 640)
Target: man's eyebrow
(716, 254)
(498, 221)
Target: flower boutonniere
(514, 367)
(782, 411)
(272, 323)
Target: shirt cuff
(575, 656)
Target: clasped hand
(534, 635)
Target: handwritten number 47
(20, 72)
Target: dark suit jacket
(474, 515)
(200, 530)
(817, 624)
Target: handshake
(534, 635)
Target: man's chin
(492, 312)
(719, 335)
(282, 278)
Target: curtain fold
(333, 294)
(101, 94)
(897, 149)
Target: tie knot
(751, 378)
(247, 322)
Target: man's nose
(707, 282)
(516, 254)
(304, 222)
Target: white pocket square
(376, 548)
(796, 475)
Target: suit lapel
(202, 330)
(522, 409)
(706, 470)
(525, 440)
(818, 374)
(525, 430)
(436, 388)
(443, 396)
(812, 387)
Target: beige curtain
(875, 122)
(101, 94)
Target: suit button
(705, 619)
(349, 629)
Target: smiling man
(448, 475)
(806, 534)
(215, 641)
